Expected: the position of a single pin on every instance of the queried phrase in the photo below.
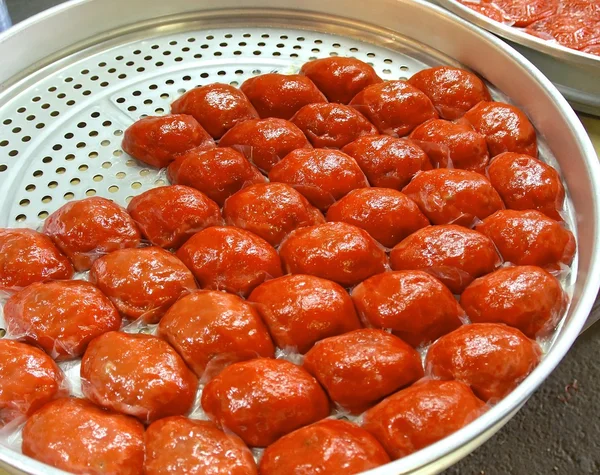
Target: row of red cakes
(328, 217)
(574, 24)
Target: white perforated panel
(60, 140)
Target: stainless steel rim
(437, 456)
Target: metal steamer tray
(76, 76)
(574, 73)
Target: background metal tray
(575, 74)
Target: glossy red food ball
(263, 399)
(394, 107)
(156, 141)
(505, 127)
(231, 259)
(332, 125)
(61, 317)
(27, 256)
(302, 309)
(414, 305)
(336, 251)
(529, 238)
(524, 182)
(217, 107)
(521, 13)
(180, 445)
(328, 446)
(453, 254)
(217, 173)
(387, 215)
(524, 297)
(281, 95)
(87, 229)
(270, 210)
(421, 415)
(585, 8)
(339, 78)
(388, 162)
(142, 283)
(264, 142)
(361, 367)
(452, 196)
(76, 436)
(452, 145)
(453, 91)
(139, 375)
(169, 215)
(321, 175)
(211, 329)
(29, 378)
(491, 358)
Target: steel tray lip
(519, 37)
(426, 458)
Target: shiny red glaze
(30, 379)
(180, 445)
(87, 229)
(571, 31)
(302, 309)
(414, 305)
(336, 251)
(524, 183)
(421, 415)
(280, 95)
(452, 196)
(521, 13)
(487, 9)
(585, 8)
(340, 78)
(529, 238)
(264, 142)
(136, 374)
(76, 436)
(490, 357)
(388, 162)
(231, 259)
(453, 91)
(328, 446)
(142, 283)
(217, 107)
(361, 367)
(453, 254)
(387, 215)
(211, 329)
(505, 127)
(452, 145)
(61, 317)
(323, 176)
(27, 256)
(169, 215)
(270, 210)
(524, 297)
(394, 107)
(156, 141)
(592, 49)
(332, 125)
(263, 399)
(217, 173)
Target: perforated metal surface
(60, 139)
